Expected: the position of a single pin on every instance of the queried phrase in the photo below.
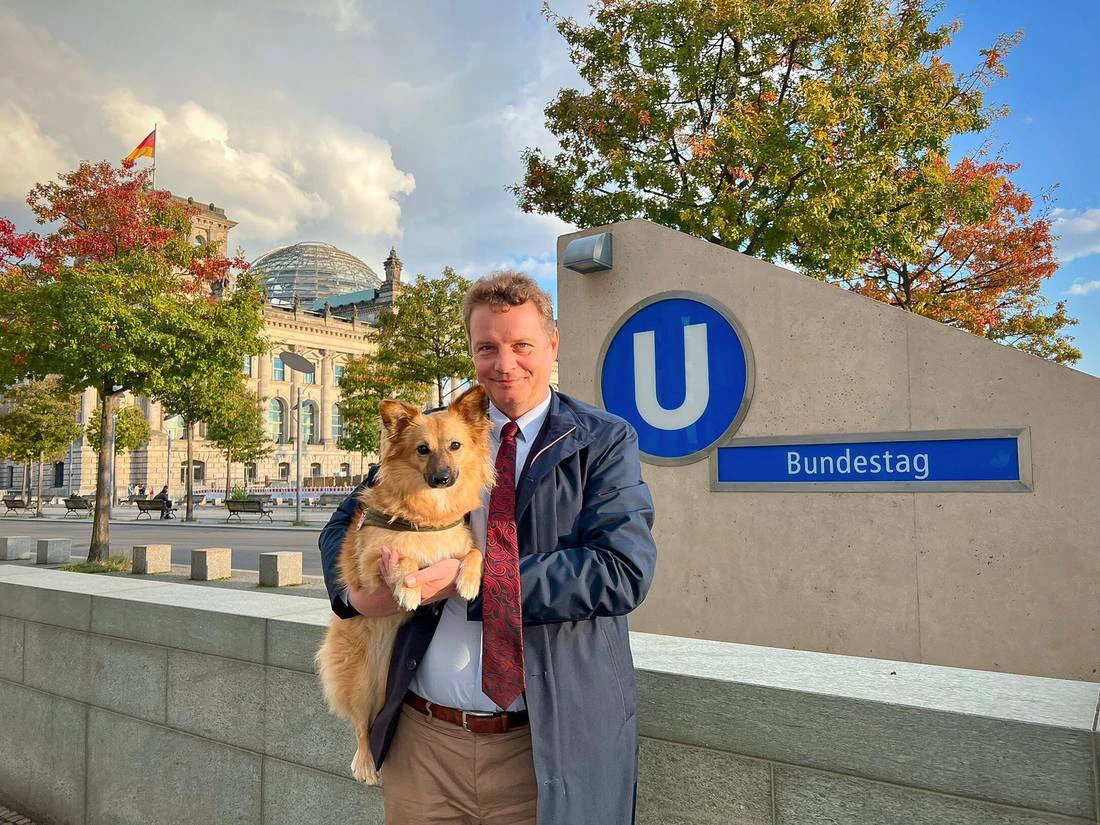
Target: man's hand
(437, 582)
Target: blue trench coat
(586, 560)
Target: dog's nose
(441, 478)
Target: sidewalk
(206, 515)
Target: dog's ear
(397, 414)
(472, 405)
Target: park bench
(332, 499)
(147, 507)
(15, 504)
(260, 508)
(78, 505)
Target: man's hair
(508, 289)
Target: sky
(368, 124)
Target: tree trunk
(228, 471)
(25, 485)
(100, 546)
(38, 507)
(190, 512)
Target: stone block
(1016, 740)
(298, 726)
(55, 551)
(139, 773)
(152, 558)
(42, 752)
(39, 594)
(292, 641)
(111, 673)
(223, 622)
(280, 569)
(803, 796)
(217, 698)
(11, 649)
(682, 785)
(14, 548)
(211, 563)
(294, 794)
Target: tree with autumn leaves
(814, 133)
(116, 298)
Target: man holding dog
(520, 706)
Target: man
(165, 502)
(570, 488)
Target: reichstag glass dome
(312, 270)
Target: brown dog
(434, 469)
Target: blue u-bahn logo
(678, 367)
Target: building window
(310, 377)
(174, 427)
(199, 468)
(345, 470)
(249, 472)
(309, 422)
(276, 420)
(284, 471)
(315, 470)
(337, 374)
(59, 474)
(247, 366)
(337, 423)
(278, 371)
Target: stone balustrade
(129, 700)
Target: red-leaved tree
(981, 269)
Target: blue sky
(1051, 131)
(366, 123)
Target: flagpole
(154, 156)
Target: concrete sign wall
(835, 474)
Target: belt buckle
(475, 714)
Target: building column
(324, 421)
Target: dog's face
(442, 449)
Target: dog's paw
(408, 597)
(468, 583)
(362, 768)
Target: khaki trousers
(437, 773)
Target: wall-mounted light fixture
(589, 254)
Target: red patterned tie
(502, 628)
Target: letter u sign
(678, 367)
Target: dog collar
(376, 518)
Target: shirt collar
(529, 423)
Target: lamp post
(304, 366)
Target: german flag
(146, 149)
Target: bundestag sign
(678, 366)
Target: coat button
(412, 664)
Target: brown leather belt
(475, 722)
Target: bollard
(54, 551)
(211, 563)
(152, 558)
(13, 548)
(280, 569)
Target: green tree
(365, 384)
(421, 340)
(807, 131)
(239, 431)
(131, 430)
(116, 298)
(39, 423)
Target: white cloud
(1084, 288)
(1078, 233)
(29, 155)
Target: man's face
(513, 356)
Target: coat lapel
(559, 438)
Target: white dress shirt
(450, 672)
